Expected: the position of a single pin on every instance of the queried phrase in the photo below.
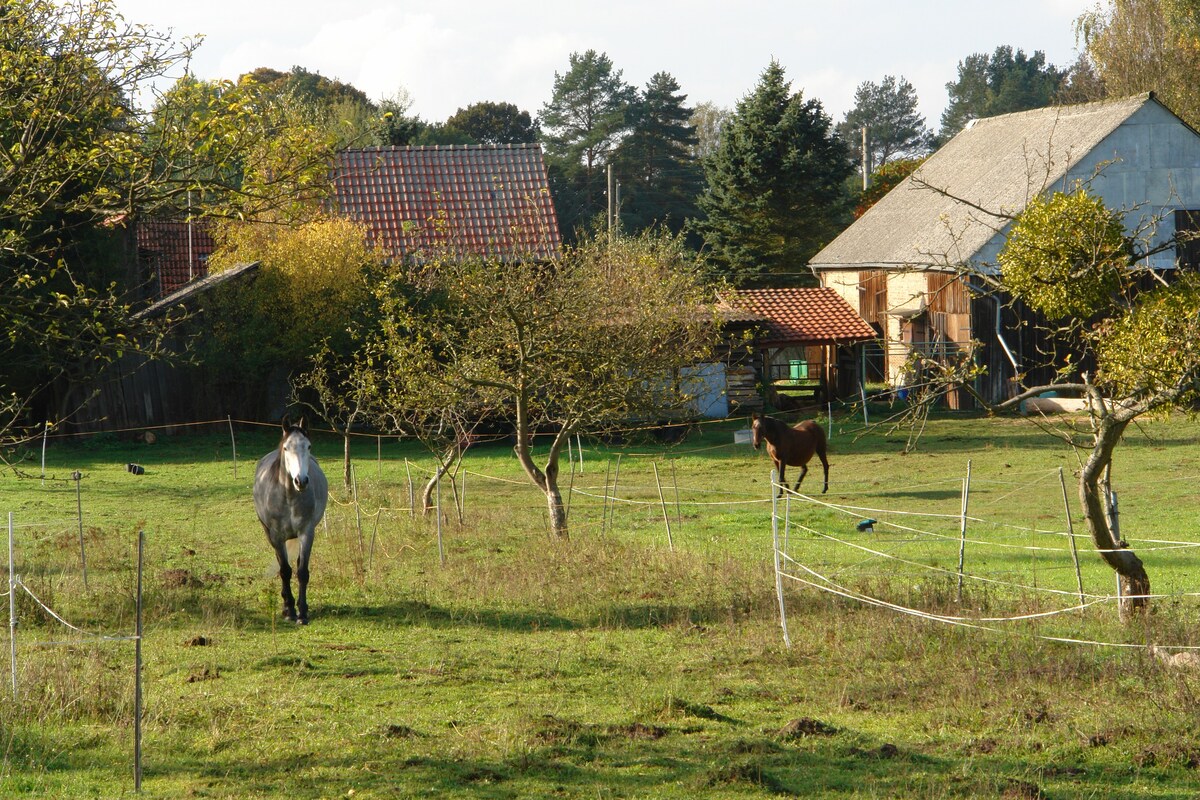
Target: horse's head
(294, 452)
(756, 429)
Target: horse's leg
(803, 472)
(285, 578)
(781, 468)
(306, 540)
(825, 464)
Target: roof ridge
(444, 147)
(1066, 109)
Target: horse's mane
(773, 423)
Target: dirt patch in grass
(748, 773)
(800, 728)
(395, 730)
(1018, 789)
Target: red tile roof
(808, 316)
(174, 252)
(418, 202)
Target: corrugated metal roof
(939, 215)
(422, 202)
(194, 288)
(802, 315)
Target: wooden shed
(807, 341)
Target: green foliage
(1154, 347)
(72, 162)
(582, 122)
(1146, 45)
(1000, 83)
(575, 342)
(1067, 256)
(313, 87)
(586, 113)
(895, 129)
(605, 335)
(494, 123)
(81, 158)
(660, 178)
(707, 121)
(311, 297)
(776, 184)
(883, 180)
(236, 151)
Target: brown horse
(791, 447)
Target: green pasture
(625, 662)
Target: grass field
(612, 664)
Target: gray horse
(290, 493)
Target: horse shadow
(416, 613)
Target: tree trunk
(441, 469)
(554, 502)
(1131, 573)
(346, 477)
(547, 481)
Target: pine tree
(660, 178)
(581, 124)
(777, 185)
(1004, 82)
(895, 129)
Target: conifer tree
(895, 129)
(777, 185)
(660, 178)
(581, 124)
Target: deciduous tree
(494, 123)
(598, 339)
(321, 272)
(708, 119)
(1070, 258)
(81, 156)
(883, 180)
(1146, 45)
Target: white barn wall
(1149, 166)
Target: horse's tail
(821, 454)
(822, 445)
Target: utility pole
(866, 161)
(610, 201)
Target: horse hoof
(302, 620)
(289, 615)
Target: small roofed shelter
(424, 203)
(807, 341)
(139, 392)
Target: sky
(448, 55)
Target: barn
(904, 264)
(416, 203)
